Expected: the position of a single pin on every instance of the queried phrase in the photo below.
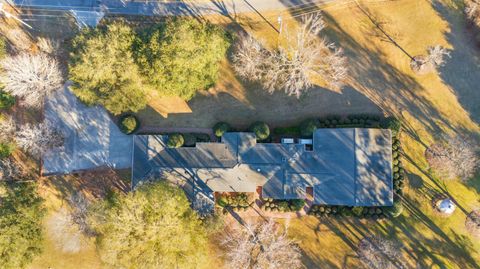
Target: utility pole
(280, 24)
(9, 15)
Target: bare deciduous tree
(472, 223)
(251, 58)
(292, 67)
(65, 232)
(472, 11)
(457, 157)
(31, 77)
(434, 59)
(436, 55)
(37, 139)
(379, 253)
(261, 246)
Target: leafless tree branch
(31, 77)
(261, 246)
(457, 157)
(292, 68)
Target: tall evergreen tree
(182, 56)
(103, 70)
(21, 213)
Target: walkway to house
(92, 139)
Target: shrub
(175, 140)
(220, 128)
(290, 205)
(358, 211)
(395, 210)
(261, 130)
(308, 127)
(6, 100)
(297, 204)
(129, 124)
(190, 140)
(237, 201)
(393, 124)
(6, 149)
(222, 201)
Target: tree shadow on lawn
(462, 71)
(93, 184)
(423, 250)
(391, 89)
(395, 91)
(241, 107)
(240, 102)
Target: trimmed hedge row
(274, 205)
(398, 170)
(308, 126)
(237, 201)
(347, 211)
(177, 140)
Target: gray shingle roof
(345, 167)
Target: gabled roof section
(346, 166)
(373, 155)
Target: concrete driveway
(92, 139)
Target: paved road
(149, 8)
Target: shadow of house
(462, 70)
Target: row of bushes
(398, 170)
(375, 212)
(307, 127)
(260, 129)
(292, 205)
(177, 140)
(236, 201)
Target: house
(350, 166)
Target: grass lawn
(381, 79)
(381, 82)
(430, 106)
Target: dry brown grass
(382, 82)
(429, 105)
